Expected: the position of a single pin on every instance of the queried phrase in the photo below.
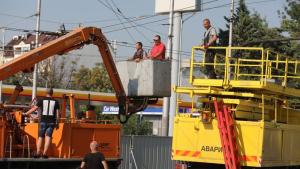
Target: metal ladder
(9, 142)
(228, 135)
(10, 147)
(26, 140)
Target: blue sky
(93, 13)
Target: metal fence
(146, 152)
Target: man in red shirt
(158, 50)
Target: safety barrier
(246, 63)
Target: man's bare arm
(57, 119)
(82, 165)
(104, 164)
(214, 38)
(34, 108)
(158, 54)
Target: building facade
(19, 45)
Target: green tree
(136, 125)
(54, 72)
(95, 79)
(251, 30)
(24, 79)
(291, 24)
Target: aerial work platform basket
(260, 89)
(146, 78)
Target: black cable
(220, 6)
(33, 31)
(59, 22)
(98, 21)
(129, 21)
(16, 16)
(182, 53)
(16, 29)
(149, 16)
(142, 24)
(110, 8)
(149, 47)
(137, 19)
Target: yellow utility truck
(246, 117)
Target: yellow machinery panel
(291, 140)
(261, 144)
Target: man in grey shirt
(210, 39)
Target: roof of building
(27, 39)
(30, 39)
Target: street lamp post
(2, 59)
(35, 76)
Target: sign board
(148, 111)
(110, 110)
(163, 6)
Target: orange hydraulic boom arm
(71, 41)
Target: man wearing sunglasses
(158, 50)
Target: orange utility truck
(70, 142)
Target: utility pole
(166, 101)
(231, 24)
(180, 49)
(114, 46)
(175, 68)
(35, 75)
(230, 34)
(2, 59)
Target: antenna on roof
(62, 28)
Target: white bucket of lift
(146, 78)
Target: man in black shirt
(94, 159)
(49, 109)
(139, 53)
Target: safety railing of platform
(284, 109)
(246, 63)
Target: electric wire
(137, 18)
(129, 20)
(206, 9)
(124, 27)
(49, 32)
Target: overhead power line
(206, 9)
(129, 20)
(270, 40)
(138, 19)
(186, 53)
(108, 6)
(135, 18)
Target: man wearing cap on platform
(158, 50)
(49, 109)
